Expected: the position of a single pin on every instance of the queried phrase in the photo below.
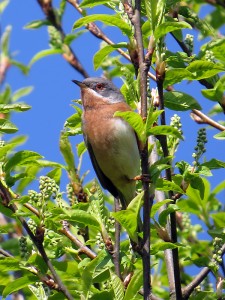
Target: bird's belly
(117, 152)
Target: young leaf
(152, 118)
(44, 53)
(7, 127)
(180, 101)
(166, 185)
(176, 75)
(3, 5)
(5, 108)
(22, 158)
(220, 135)
(129, 219)
(91, 3)
(161, 246)
(201, 69)
(135, 121)
(214, 164)
(167, 27)
(164, 130)
(166, 212)
(81, 148)
(21, 93)
(37, 24)
(18, 284)
(117, 286)
(105, 51)
(134, 285)
(157, 206)
(106, 19)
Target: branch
(144, 65)
(198, 279)
(70, 57)
(81, 247)
(6, 198)
(200, 118)
(98, 33)
(175, 282)
(116, 254)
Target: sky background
(53, 90)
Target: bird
(111, 142)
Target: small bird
(111, 142)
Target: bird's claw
(142, 177)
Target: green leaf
(180, 101)
(166, 185)
(166, 212)
(165, 130)
(21, 93)
(214, 164)
(135, 121)
(81, 148)
(37, 24)
(117, 285)
(220, 135)
(24, 69)
(105, 51)
(22, 158)
(77, 216)
(201, 69)
(91, 3)
(134, 285)
(9, 264)
(7, 127)
(106, 19)
(217, 46)
(5, 108)
(162, 246)
(129, 218)
(152, 118)
(18, 284)
(176, 75)
(158, 205)
(219, 219)
(167, 27)
(44, 53)
(67, 152)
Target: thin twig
(5, 253)
(144, 65)
(71, 57)
(201, 118)
(97, 32)
(198, 279)
(175, 282)
(116, 254)
(82, 248)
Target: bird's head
(96, 89)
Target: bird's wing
(104, 180)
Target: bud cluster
(209, 56)
(189, 42)
(217, 253)
(2, 143)
(24, 252)
(200, 148)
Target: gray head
(102, 87)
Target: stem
(201, 118)
(82, 248)
(71, 57)
(174, 281)
(143, 71)
(116, 255)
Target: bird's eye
(99, 86)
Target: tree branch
(201, 118)
(198, 279)
(116, 254)
(70, 57)
(175, 282)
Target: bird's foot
(142, 177)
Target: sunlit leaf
(167, 27)
(180, 101)
(44, 53)
(7, 127)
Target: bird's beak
(79, 83)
